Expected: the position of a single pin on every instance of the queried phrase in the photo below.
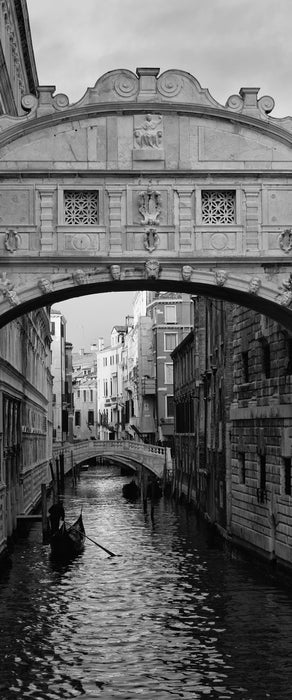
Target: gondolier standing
(57, 514)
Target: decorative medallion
(151, 239)
(254, 285)
(149, 134)
(12, 240)
(149, 206)
(126, 85)
(220, 277)
(285, 240)
(152, 269)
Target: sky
(225, 44)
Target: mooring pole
(44, 512)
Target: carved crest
(149, 134)
(12, 240)
(149, 206)
(285, 240)
(151, 239)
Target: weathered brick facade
(261, 419)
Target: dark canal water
(171, 617)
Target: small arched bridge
(134, 455)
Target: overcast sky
(225, 44)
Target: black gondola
(131, 490)
(67, 542)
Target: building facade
(260, 516)
(63, 408)
(25, 417)
(85, 395)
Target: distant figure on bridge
(57, 514)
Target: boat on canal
(66, 542)
(131, 490)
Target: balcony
(148, 386)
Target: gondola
(131, 490)
(67, 542)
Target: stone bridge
(135, 455)
(146, 182)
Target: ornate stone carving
(149, 206)
(151, 239)
(285, 240)
(115, 271)
(12, 297)
(12, 240)
(149, 134)
(5, 284)
(79, 277)
(220, 277)
(170, 84)
(45, 286)
(186, 272)
(285, 295)
(152, 269)
(254, 285)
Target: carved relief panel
(150, 224)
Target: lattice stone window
(81, 207)
(218, 206)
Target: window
(112, 360)
(91, 395)
(54, 398)
(241, 468)
(287, 476)
(105, 361)
(218, 206)
(78, 393)
(90, 417)
(105, 388)
(84, 395)
(77, 418)
(245, 367)
(170, 341)
(170, 313)
(169, 406)
(53, 328)
(81, 207)
(263, 474)
(168, 373)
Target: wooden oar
(94, 542)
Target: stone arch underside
(146, 182)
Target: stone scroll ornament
(149, 133)
(285, 240)
(152, 269)
(285, 295)
(12, 240)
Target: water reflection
(171, 617)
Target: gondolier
(57, 514)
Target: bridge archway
(146, 182)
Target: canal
(172, 616)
